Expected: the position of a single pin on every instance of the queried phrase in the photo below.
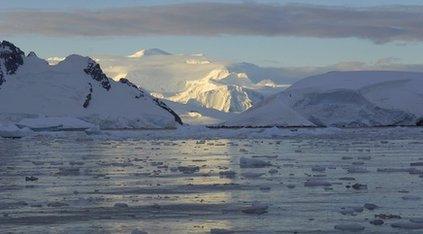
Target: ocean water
(93, 185)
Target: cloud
(379, 24)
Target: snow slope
(194, 114)
(75, 87)
(346, 99)
(270, 112)
(386, 89)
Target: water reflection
(116, 186)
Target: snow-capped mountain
(75, 87)
(348, 99)
(148, 52)
(221, 90)
(197, 79)
(166, 74)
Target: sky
(282, 33)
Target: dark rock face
(1, 76)
(94, 70)
(130, 84)
(418, 123)
(164, 106)
(88, 97)
(12, 58)
(156, 100)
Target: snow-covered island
(74, 94)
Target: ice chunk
(120, 205)
(318, 168)
(409, 226)
(316, 182)
(220, 231)
(255, 208)
(416, 220)
(358, 186)
(252, 163)
(377, 222)
(137, 231)
(411, 198)
(370, 206)
(12, 131)
(351, 227)
(227, 174)
(190, 169)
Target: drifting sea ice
(123, 181)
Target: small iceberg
(13, 131)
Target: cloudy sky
(269, 33)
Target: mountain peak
(32, 54)
(10, 47)
(148, 52)
(12, 58)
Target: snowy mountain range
(75, 87)
(221, 90)
(201, 91)
(219, 85)
(343, 99)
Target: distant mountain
(148, 52)
(220, 90)
(228, 87)
(345, 99)
(75, 87)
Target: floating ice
(352, 227)
(316, 182)
(252, 163)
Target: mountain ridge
(75, 87)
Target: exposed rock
(164, 106)
(12, 56)
(94, 70)
(156, 100)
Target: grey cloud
(379, 24)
